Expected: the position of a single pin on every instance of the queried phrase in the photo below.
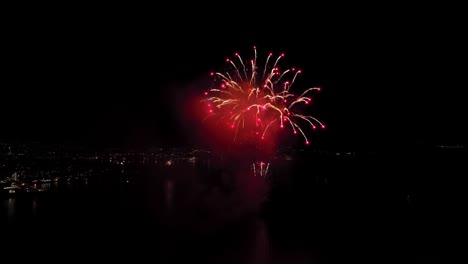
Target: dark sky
(118, 78)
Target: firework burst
(257, 99)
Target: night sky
(122, 79)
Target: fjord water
(309, 208)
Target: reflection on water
(34, 207)
(260, 168)
(169, 194)
(262, 245)
(252, 212)
(11, 204)
(205, 185)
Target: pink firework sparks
(255, 101)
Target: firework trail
(254, 101)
